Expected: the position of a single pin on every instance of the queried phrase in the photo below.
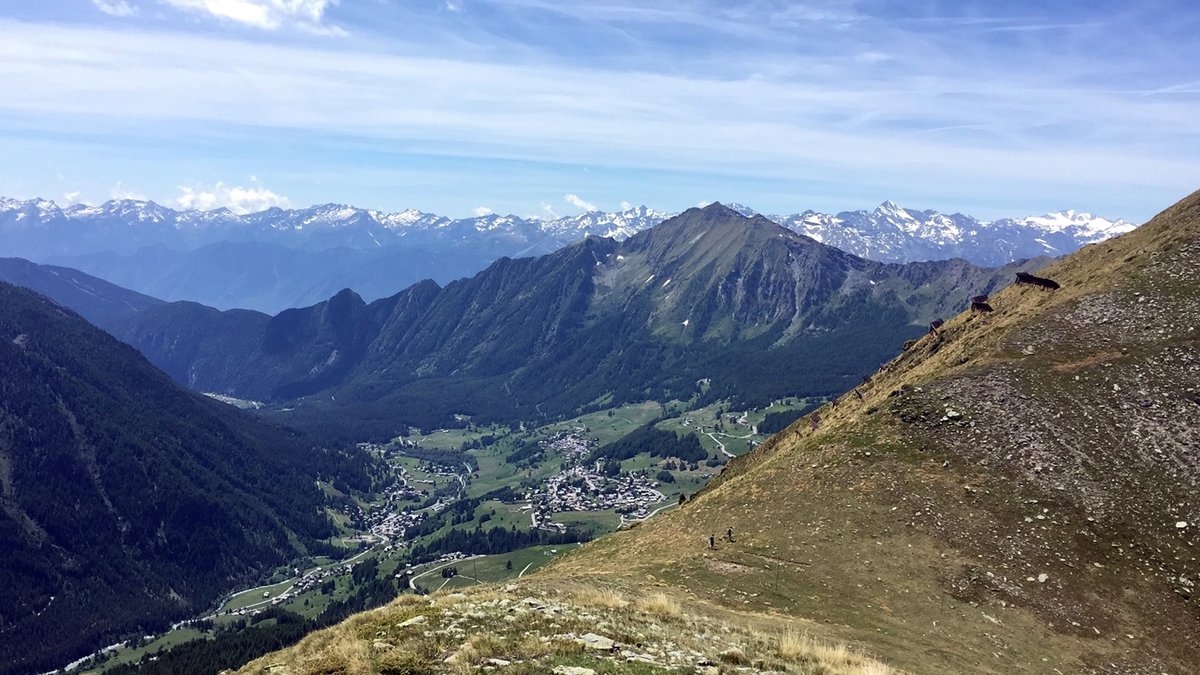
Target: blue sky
(543, 107)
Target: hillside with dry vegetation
(1015, 492)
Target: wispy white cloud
(549, 212)
(454, 6)
(266, 14)
(578, 202)
(73, 197)
(236, 198)
(625, 206)
(481, 211)
(120, 8)
(119, 191)
(872, 57)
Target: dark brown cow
(935, 325)
(979, 298)
(981, 307)
(814, 421)
(1041, 282)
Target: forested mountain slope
(126, 501)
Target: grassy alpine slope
(1013, 494)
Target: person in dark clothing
(712, 541)
(729, 535)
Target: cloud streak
(119, 8)
(265, 14)
(238, 199)
(578, 202)
(119, 191)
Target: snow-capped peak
(1080, 222)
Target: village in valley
(543, 488)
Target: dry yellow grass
(600, 596)
(837, 657)
(660, 604)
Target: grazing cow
(979, 298)
(935, 325)
(814, 421)
(981, 307)
(1041, 282)
(856, 393)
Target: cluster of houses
(570, 446)
(390, 521)
(580, 486)
(312, 579)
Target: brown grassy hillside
(1014, 494)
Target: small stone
(499, 663)
(597, 642)
(1181, 525)
(1043, 578)
(415, 621)
(572, 670)
(734, 656)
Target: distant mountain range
(282, 258)
(756, 309)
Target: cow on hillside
(981, 307)
(1025, 278)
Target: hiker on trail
(712, 541)
(729, 535)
